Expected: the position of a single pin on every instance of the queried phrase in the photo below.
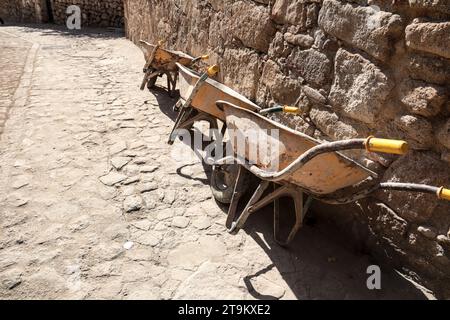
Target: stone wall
(101, 13)
(359, 67)
(23, 10)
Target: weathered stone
(443, 134)
(386, 222)
(363, 27)
(429, 37)
(244, 80)
(112, 178)
(278, 47)
(418, 130)
(119, 162)
(282, 88)
(252, 25)
(431, 5)
(422, 98)
(180, 222)
(416, 167)
(426, 232)
(302, 40)
(118, 147)
(132, 203)
(202, 223)
(312, 65)
(431, 69)
(294, 12)
(329, 123)
(360, 88)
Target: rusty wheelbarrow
(161, 62)
(198, 96)
(305, 168)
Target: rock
(427, 232)
(267, 288)
(279, 48)
(11, 279)
(443, 239)
(443, 134)
(180, 222)
(147, 187)
(149, 169)
(302, 40)
(244, 80)
(418, 130)
(132, 203)
(429, 37)
(314, 95)
(365, 28)
(429, 68)
(360, 88)
(283, 89)
(112, 178)
(202, 223)
(386, 222)
(251, 24)
(148, 239)
(20, 182)
(118, 147)
(131, 180)
(295, 12)
(422, 98)
(312, 65)
(128, 245)
(431, 5)
(165, 214)
(119, 162)
(190, 255)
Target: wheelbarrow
(161, 62)
(198, 96)
(307, 168)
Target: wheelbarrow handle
(386, 145)
(306, 157)
(279, 108)
(441, 192)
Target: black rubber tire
(222, 182)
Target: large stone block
(429, 68)
(418, 131)
(417, 167)
(252, 25)
(429, 37)
(296, 12)
(431, 5)
(244, 80)
(365, 28)
(422, 98)
(360, 88)
(312, 65)
(282, 88)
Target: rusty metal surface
(210, 92)
(165, 59)
(324, 174)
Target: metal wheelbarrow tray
(198, 96)
(303, 165)
(161, 61)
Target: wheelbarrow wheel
(223, 180)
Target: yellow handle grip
(386, 145)
(289, 109)
(205, 57)
(443, 193)
(213, 70)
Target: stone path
(94, 205)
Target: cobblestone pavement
(95, 206)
